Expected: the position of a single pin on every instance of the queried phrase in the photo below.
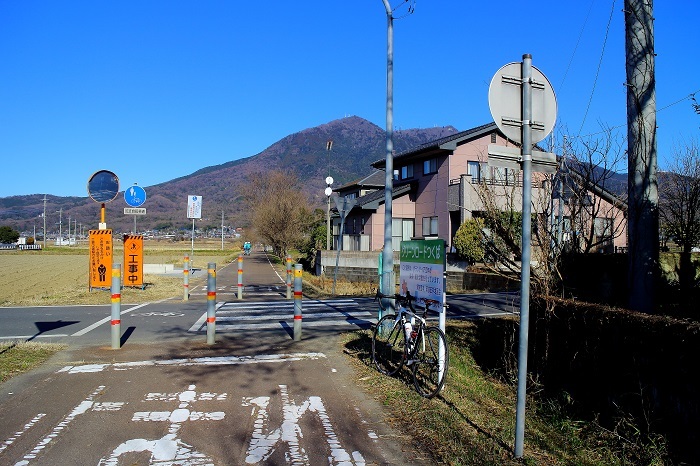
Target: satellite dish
(329, 180)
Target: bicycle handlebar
(398, 297)
(408, 300)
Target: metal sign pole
(526, 149)
(192, 248)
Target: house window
(474, 170)
(430, 166)
(500, 174)
(407, 171)
(493, 138)
(485, 171)
(401, 230)
(430, 226)
(603, 228)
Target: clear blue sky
(154, 90)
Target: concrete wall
(358, 266)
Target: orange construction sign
(100, 259)
(133, 260)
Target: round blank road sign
(505, 102)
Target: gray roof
(373, 200)
(374, 179)
(447, 143)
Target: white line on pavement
(26, 337)
(204, 361)
(105, 320)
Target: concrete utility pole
(44, 215)
(387, 280)
(60, 225)
(643, 199)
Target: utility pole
(387, 280)
(44, 215)
(642, 189)
(60, 225)
(222, 230)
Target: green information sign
(422, 269)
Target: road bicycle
(405, 338)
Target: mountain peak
(357, 143)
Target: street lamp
(328, 192)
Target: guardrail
(21, 247)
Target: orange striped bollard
(211, 303)
(297, 302)
(116, 305)
(186, 278)
(289, 277)
(240, 276)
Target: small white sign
(194, 206)
(134, 211)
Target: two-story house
(436, 188)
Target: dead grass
(18, 358)
(60, 275)
(472, 422)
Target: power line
(600, 62)
(578, 41)
(689, 96)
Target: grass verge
(18, 358)
(472, 422)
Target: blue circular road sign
(135, 196)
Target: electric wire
(578, 42)
(600, 62)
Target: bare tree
(582, 207)
(679, 197)
(279, 211)
(591, 196)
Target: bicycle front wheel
(388, 342)
(430, 362)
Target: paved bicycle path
(252, 398)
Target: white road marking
(232, 316)
(19, 433)
(169, 449)
(105, 320)
(222, 360)
(264, 440)
(78, 410)
(27, 337)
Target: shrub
(469, 240)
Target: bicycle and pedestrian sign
(135, 196)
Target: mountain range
(356, 144)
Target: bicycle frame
(405, 313)
(410, 331)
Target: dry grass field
(59, 275)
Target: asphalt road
(166, 397)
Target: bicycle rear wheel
(388, 342)
(430, 362)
